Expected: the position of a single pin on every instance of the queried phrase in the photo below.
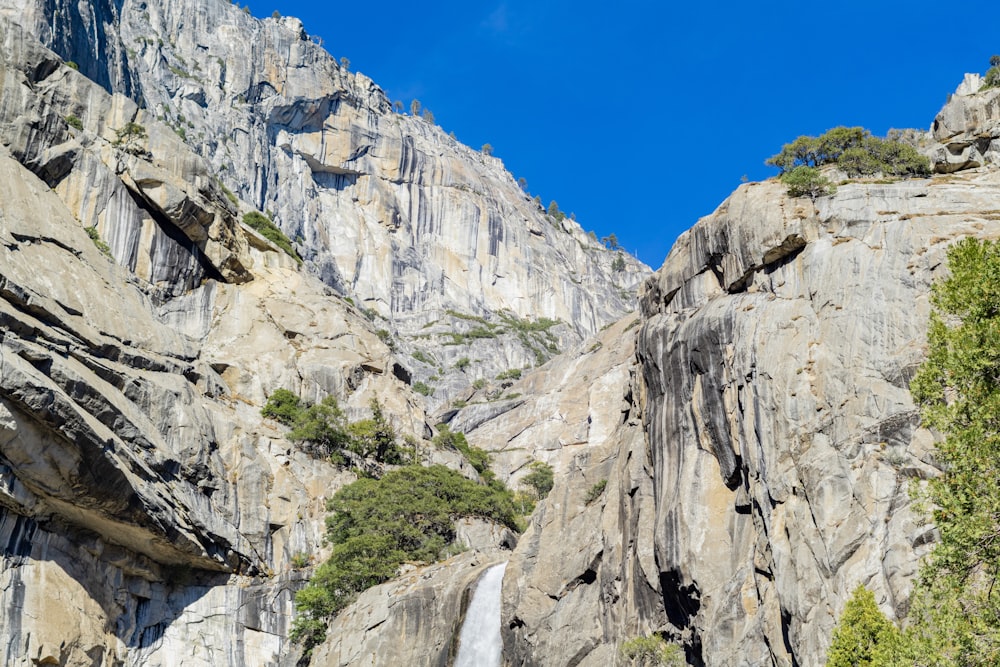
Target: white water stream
(479, 644)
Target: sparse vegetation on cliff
(263, 225)
(323, 431)
(992, 78)
(540, 479)
(854, 150)
(803, 181)
(651, 651)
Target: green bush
(266, 228)
(423, 357)
(98, 242)
(74, 122)
(864, 637)
(554, 212)
(462, 363)
(376, 525)
(322, 428)
(652, 651)
(228, 193)
(540, 479)
(992, 79)
(376, 438)
(805, 181)
(857, 162)
(386, 337)
(594, 492)
(324, 432)
(423, 388)
(283, 406)
(130, 137)
(477, 457)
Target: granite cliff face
(386, 208)
(777, 357)
(730, 463)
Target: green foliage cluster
(958, 391)
(130, 137)
(323, 430)
(855, 151)
(992, 78)
(510, 374)
(74, 122)
(540, 479)
(652, 651)
(423, 357)
(376, 525)
(385, 336)
(864, 637)
(423, 388)
(72, 65)
(594, 492)
(477, 457)
(463, 363)
(618, 265)
(535, 335)
(96, 238)
(553, 211)
(803, 181)
(266, 228)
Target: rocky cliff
(141, 490)
(730, 463)
(777, 346)
(386, 208)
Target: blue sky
(639, 116)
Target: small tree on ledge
(803, 181)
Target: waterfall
(479, 644)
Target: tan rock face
(777, 347)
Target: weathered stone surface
(387, 208)
(133, 458)
(583, 575)
(967, 129)
(755, 456)
(779, 417)
(414, 619)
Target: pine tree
(864, 637)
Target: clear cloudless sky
(642, 116)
